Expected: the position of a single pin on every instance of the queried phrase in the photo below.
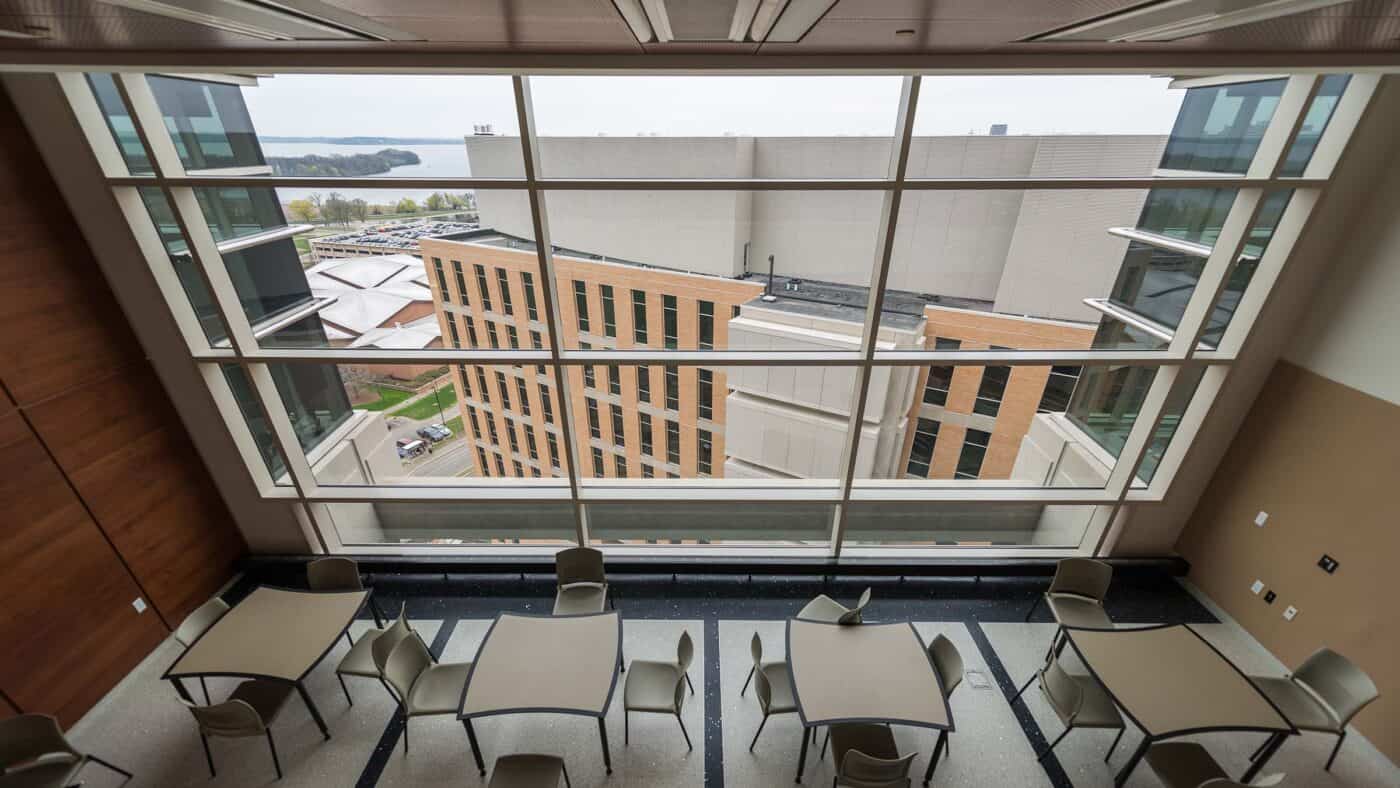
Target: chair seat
(527, 771)
(266, 697)
(823, 608)
(57, 772)
(1181, 764)
(1297, 704)
(780, 682)
(580, 599)
(1073, 611)
(651, 686)
(438, 689)
(359, 661)
(877, 741)
(1097, 710)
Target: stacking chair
(583, 585)
(949, 664)
(249, 711)
(1075, 599)
(340, 574)
(423, 688)
(659, 687)
(1322, 695)
(34, 752)
(1079, 701)
(1182, 764)
(867, 757)
(756, 650)
(196, 624)
(366, 659)
(529, 771)
(772, 686)
(824, 608)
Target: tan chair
(366, 659)
(1080, 702)
(338, 573)
(1322, 695)
(249, 711)
(824, 608)
(582, 583)
(529, 771)
(423, 689)
(772, 687)
(949, 664)
(756, 651)
(1181, 764)
(659, 687)
(196, 624)
(1075, 599)
(867, 757)
(34, 752)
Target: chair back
(579, 565)
(853, 615)
(1082, 577)
(26, 737)
(407, 661)
(334, 574)
(948, 662)
(756, 649)
(685, 651)
(230, 718)
(1061, 689)
(762, 688)
(383, 646)
(865, 771)
(1338, 681)
(198, 622)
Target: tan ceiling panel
(1053, 12)
(124, 29)
(495, 34)
(1354, 26)
(879, 35)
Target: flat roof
(399, 236)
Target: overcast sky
(448, 106)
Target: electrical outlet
(1261, 518)
(1327, 563)
(1270, 597)
(1289, 613)
(1257, 588)
(139, 604)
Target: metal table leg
(311, 707)
(1133, 759)
(603, 735)
(180, 688)
(476, 749)
(937, 751)
(802, 759)
(1269, 749)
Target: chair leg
(684, 733)
(405, 732)
(825, 742)
(1336, 748)
(689, 684)
(345, 689)
(205, 687)
(376, 612)
(745, 688)
(760, 730)
(1255, 755)
(626, 727)
(348, 641)
(1041, 756)
(1034, 605)
(1112, 746)
(208, 756)
(947, 745)
(1023, 687)
(272, 746)
(564, 767)
(117, 769)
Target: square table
(275, 633)
(1171, 682)
(865, 673)
(544, 664)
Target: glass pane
(1219, 127)
(646, 523)
(965, 525)
(192, 279)
(546, 523)
(208, 122)
(512, 420)
(104, 89)
(316, 399)
(694, 266)
(243, 393)
(1186, 385)
(1314, 123)
(711, 126)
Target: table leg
(476, 749)
(1269, 749)
(311, 707)
(933, 759)
(802, 758)
(180, 688)
(603, 735)
(1133, 759)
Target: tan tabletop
(565, 664)
(864, 672)
(275, 633)
(1170, 681)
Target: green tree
(435, 202)
(336, 208)
(406, 205)
(359, 209)
(302, 210)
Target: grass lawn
(388, 398)
(427, 407)
(455, 424)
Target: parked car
(435, 433)
(411, 447)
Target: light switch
(1261, 518)
(1289, 613)
(139, 604)
(1257, 587)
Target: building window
(518, 470)
(598, 462)
(589, 381)
(466, 381)
(505, 392)
(706, 393)
(546, 405)
(471, 414)
(481, 387)
(614, 380)
(581, 305)
(703, 448)
(531, 445)
(991, 390)
(673, 443)
(707, 325)
(491, 335)
(481, 287)
(940, 378)
(500, 466)
(553, 447)
(461, 282)
(647, 472)
(620, 466)
(594, 430)
(503, 284)
(921, 455)
(644, 422)
(669, 320)
(452, 330)
(521, 395)
(481, 462)
(974, 450)
(528, 281)
(644, 383)
(512, 337)
(491, 430)
(1058, 389)
(639, 317)
(535, 341)
(471, 331)
(673, 388)
(442, 281)
(617, 433)
(609, 311)
(514, 441)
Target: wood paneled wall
(105, 499)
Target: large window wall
(867, 396)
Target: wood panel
(69, 629)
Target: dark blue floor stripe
(389, 741)
(1008, 686)
(714, 725)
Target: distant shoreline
(367, 140)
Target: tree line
(334, 208)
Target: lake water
(436, 161)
